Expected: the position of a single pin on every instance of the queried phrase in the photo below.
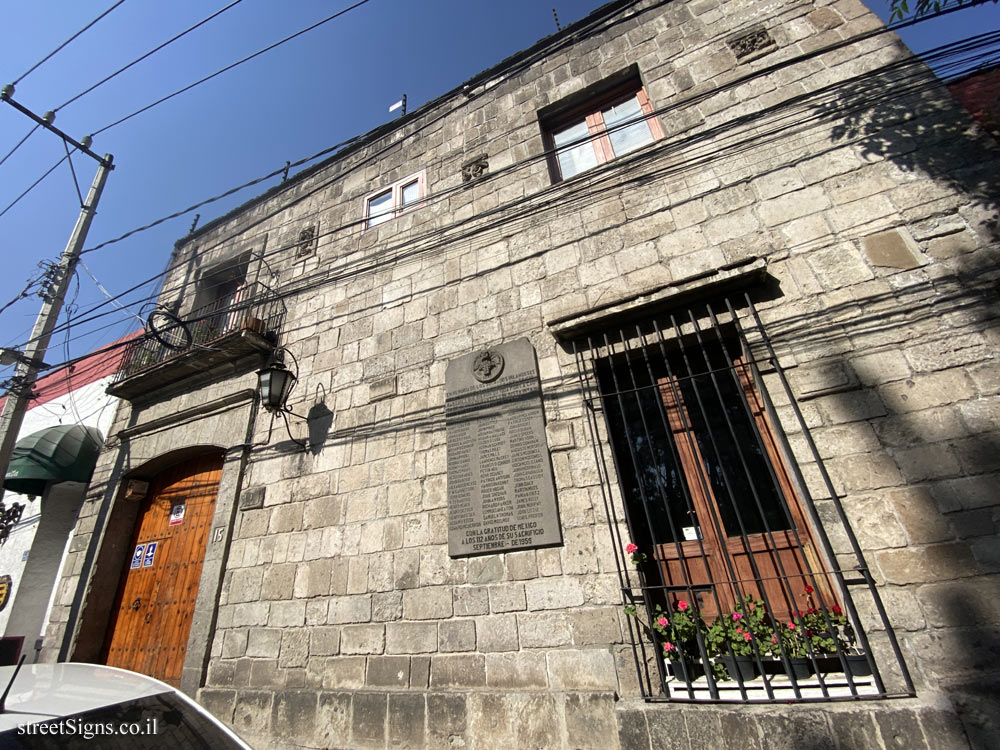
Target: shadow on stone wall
(937, 427)
(896, 113)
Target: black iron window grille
(733, 588)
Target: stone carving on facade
(475, 168)
(487, 366)
(751, 43)
(306, 242)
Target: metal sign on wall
(501, 495)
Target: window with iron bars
(733, 588)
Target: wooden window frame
(590, 112)
(396, 189)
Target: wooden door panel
(756, 560)
(700, 568)
(152, 639)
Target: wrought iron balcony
(231, 330)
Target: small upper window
(393, 200)
(601, 129)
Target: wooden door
(151, 620)
(748, 533)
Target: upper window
(600, 129)
(393, 200)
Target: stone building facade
(792, 195)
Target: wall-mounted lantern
(274, 383)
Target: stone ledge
(419, 718)
(735, 275)
(873, 724)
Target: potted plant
(796, 651)
(829, 630)
(677, 632)
(740, 636)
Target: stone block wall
(832, 155)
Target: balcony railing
(249, 319)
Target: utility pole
(30, 360)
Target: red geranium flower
(663, 622)
(682, 605)
(836, 609)
(809, 589)
(630, 548)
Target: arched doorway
(151, 617)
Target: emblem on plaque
(6, 582)
(487, 365)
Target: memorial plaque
(501, 496)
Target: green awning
(65, 453)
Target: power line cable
(220, 196)
(108, 294)
(19, 143)
(152, 52)
(49, 171)
(60, 47)
(911, 62)
(573, 39)
(375, 262)
(540, 53)
(26, 291)
(231, 66)
(300, 162)
(541, 156)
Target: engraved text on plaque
(501, 496)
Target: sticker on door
(177, 514)
(147, 561)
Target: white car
(93, 707)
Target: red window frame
(591, 112)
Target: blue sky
(332, 83)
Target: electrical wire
(307, 159)
(324, 152)
(681, 144)
(108, 294)
(61, 46)
(733, 84)
(26, 291)
(229, 67)
(69, 310)
(219, 197)
(19, 144)
(354, 223)
(33, 185)
(559, 203)
(152, 52)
